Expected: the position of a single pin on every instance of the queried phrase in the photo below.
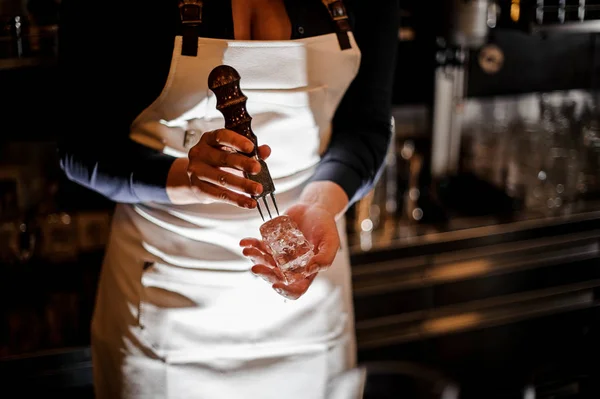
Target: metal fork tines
(266, 205)
(264, 178)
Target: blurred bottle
(502, 120)
(413, 204)
(588, 183)
(13, 36)
(523, 161)
(556, 183)
(489, 143)
(481, 145)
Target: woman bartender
(180, 312)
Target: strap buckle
(191, 19)
(191, 11)
(338, 14)
(336, 9)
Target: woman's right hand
(203, 178)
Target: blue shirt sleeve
(362, 124)
(130, 173)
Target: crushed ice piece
(289, 248)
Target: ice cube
(289, 248)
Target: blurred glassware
(482, 147)
(18, 240)
(523, 161)
(412, 208)
(488, 138)
(381, 204)
(588, 182)
(59, 242)
(13, 31)
(93, 229)
(557, 177)
(58, 231)
(531, 147)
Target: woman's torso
(293, 88)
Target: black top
(115, 57)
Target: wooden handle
(224, 81)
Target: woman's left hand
(319, 227)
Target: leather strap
(191, 18)
(338, 14)
(190, 12)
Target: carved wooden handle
(224, 81)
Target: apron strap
(190, 12)
(338, 14)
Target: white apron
(178, 313)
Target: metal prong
(267, 206)
(260, 211)
(274, 203)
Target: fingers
(253, 242)
(228, 138)
(259, 257)
(218, 149)
(295, 290)
(274, 276)
(266, 268)
(207, 176)
(204, 154)
(271, 275)
(203, 188)
(264, 151)
(224, 179)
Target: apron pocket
(157, 303)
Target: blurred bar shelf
(398, 236)
(7, 64)
(475, 315)
(493, 302)
(568, 27)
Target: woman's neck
(260, 20)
